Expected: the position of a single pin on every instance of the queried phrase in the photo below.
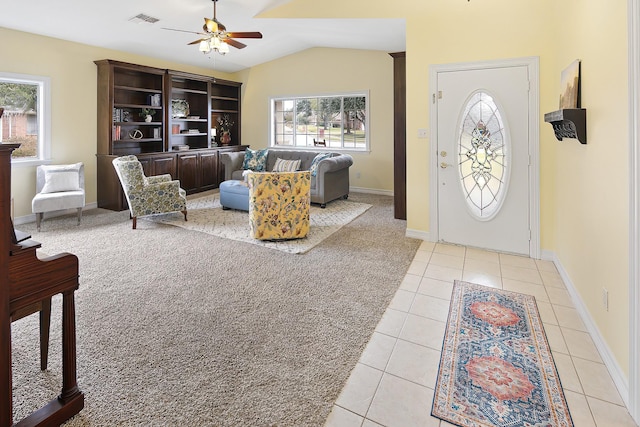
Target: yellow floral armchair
(279, 204)
(148, 195)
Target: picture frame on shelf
(570, 86)
(179, 108)
(154, 100)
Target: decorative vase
(225, 139)
(148, 118)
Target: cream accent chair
(58, 187)
(148, 195)
(279, 204)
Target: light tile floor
(393, 383)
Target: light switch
(423, 133)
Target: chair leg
(184, 212)
(45, 321)
(135, 222)
(38, 219)
(79, 215)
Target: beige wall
(592, 181)
(326, 71)
(584, 201)
(73, 94)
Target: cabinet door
(188, 172)
(147, 165)
(162, 165)
(209, 171)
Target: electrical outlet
(357, 175)
(605, 299)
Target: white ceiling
(105, 23)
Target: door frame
(633, 398)
(532, 64)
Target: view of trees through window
(19, 123)
(331, 121)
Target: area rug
(205, 214)
(496, 367)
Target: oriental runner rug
(496, 367)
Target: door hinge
(439, 96)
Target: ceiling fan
(216, 37)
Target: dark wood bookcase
(177, 139)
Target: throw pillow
(255, 160)
(286, 165)
(61, 178)
(316, 161)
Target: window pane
(283, 122)
(354, 114)
(20, 122)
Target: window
(483, 152)
(26, 117)
(334, 121)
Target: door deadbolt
(443, 153)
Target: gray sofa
(330, 183)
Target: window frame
(272, 113)
(44, 116)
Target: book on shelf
(175, 129)
(116, 132)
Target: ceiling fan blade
(234, 43)
(210, 25)
(184, 31)
(246, 35)
(196, 41)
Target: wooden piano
(27, 282)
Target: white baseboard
(32, 217)
(617, 374)
(371, 191)
(418, 234)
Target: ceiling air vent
(141, 18)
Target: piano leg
(45, 322)
(69, 380)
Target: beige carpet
(182, 328)
(205, 214)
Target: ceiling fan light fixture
(204, 47)
(224, 48)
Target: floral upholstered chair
(279, 204)
(149, 195)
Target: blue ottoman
(234, 194)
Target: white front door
(483, 158)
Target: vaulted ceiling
(109, 24)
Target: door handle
(444, 165)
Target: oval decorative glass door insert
(483, 156)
